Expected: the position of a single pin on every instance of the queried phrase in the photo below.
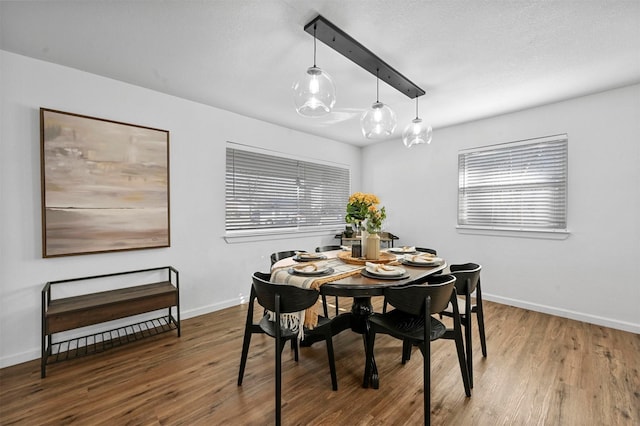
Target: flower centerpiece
(358, 208)
(361, 208)
(375, 217)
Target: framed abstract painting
(105, 185)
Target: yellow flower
(363, 206)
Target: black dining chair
(324, 298)
(279, 255)
(290, 253)
(421, 250)
(467, 282)
(282, 299)
(427, 250)
(388, 237)
(250, 327)
(411, 322)
(327, 248)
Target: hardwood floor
(540, 370)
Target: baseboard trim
(565, 313)
(33, 354)
(211, 308)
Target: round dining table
(361, 288)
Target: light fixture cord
(416, 107)
(377, 85)
(314, 45)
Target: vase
(363, 242)
(372, 246)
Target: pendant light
(314, 93)
(379, 121)
(417, 132)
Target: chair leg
(294, 346)
(457, 335)
(406, 351)
(384, 306)
(279, 347)
(467, 340)
(483, 338)
(425, 348)
(245, 351)
(325, 310)
(249, 329)
(337, 310)
(332, 362)
(480, 315)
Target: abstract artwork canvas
(105, 185)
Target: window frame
(302, 163)
(515, 229)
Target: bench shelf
(67, 313)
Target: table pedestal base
(356, 320)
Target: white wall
(213, 274)
(593, 275)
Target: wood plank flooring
(540, 370)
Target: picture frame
(105, 185)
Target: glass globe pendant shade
(314, 94)
(417, 132)
(378, 122)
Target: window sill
(235, 237)
(544, 234)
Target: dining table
(349, 278)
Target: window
(518, 186)
(273, 192)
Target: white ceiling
(474, 58)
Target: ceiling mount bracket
(347, 46)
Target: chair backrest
(266, 276)
(427, 250)
(386, 234)
(292, 299)
(327, 248)
(467, 277)
(282, 255)
(410, 298)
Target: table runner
(310, 317)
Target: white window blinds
(267, 192)
(516, 186)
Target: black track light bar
(346, 45)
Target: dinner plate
(423, 258)
(395, 271)
(308, 258)
(401, 250)
(327, 271)
(368, 274)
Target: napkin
(307, 255)
(422, 258)
(381, 269)
(404, 249)
(311, 267)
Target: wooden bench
(67, 313)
